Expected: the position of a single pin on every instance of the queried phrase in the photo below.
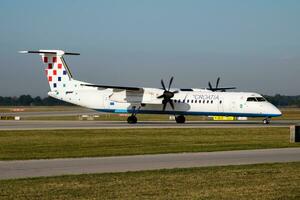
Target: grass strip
(263, 181)
(42, 144)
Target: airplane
(212, 101)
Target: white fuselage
(122, 99)
(196, 102)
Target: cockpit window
(251, 99)
(260, 99)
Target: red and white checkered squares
(55, 71)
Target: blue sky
(253, 45)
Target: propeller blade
(164, 106)
(171, 103)
(161, 96)
(210, 87)
(163, 84)
(170, 83)
(175, 92)
(218, 80)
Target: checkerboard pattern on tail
(56, 71)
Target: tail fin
(58, 73)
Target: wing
(137, 95)
(222, 89)
(114, 87)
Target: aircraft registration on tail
(212, 101)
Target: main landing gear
(132, 119)
(180, 119)
(267, 120)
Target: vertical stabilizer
(57, 72)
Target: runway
(74, 112)
(56, 167)
(53, 125)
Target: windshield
(251, 99)
(256, 99)
(260, 99)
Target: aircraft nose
(275, 111)
(278, 112)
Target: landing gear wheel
(266, 121)
(180, 119)
(132, 119)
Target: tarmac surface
(56, 167)
(74, 112)
(52, 125)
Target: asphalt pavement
(52, 125)
(56, 167)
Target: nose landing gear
(267, 120)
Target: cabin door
(233, 106)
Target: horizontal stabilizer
(58, 52)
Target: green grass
(40, 108)
(289, 114)
(263, 181)
(38, 144)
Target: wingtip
(23, 51)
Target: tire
(132, 120)
(180, 119)
(266, 121)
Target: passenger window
(183, 101)
(251, 99)
(175, 101)
(211, 101)
(220, 101)
(207, 101)
(188, 101)
(192, 101)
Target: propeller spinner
(167, 95)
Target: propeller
(223, 89)
(167, 95)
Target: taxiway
(56, 167)
(52, 125)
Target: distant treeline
(282, 100)
(27, 100)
